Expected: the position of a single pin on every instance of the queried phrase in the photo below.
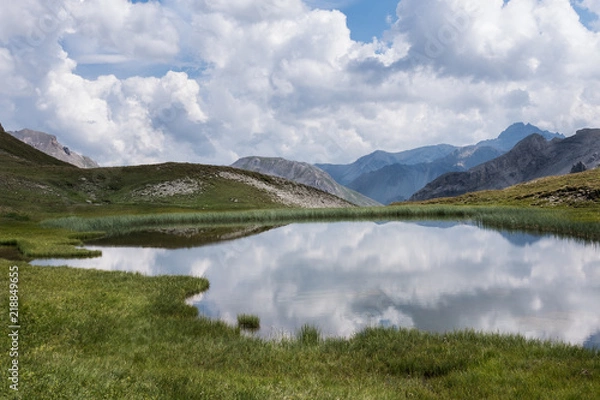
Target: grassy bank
(30, 240)
(62, 237)
(90, 334)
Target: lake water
(343, 277)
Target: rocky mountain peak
(514, 131)
(517, 132)
(50, 145)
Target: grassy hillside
(32, 182)
(13, 152)
(580, 191)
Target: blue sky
(368, 19)
(587, 18)
(212, 81)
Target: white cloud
(122, 119)
(210, 81)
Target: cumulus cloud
(130, 118)
(210, 81)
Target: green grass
(53, 187)
(33, 241)
(101, 191)
(62, 237)
(89, 334)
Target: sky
(210, 81)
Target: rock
(579, 167)
(390, 177)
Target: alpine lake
(342, 277)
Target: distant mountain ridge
(304, 173)
(346, 173)
(533, 157)
(50, 145)
(391, 177)
(397, 182)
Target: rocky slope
(51, 146)
(533, 157)
(304, 173)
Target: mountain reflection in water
(345, 276)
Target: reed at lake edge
(564, 222)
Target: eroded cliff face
(50, 145)
(534, 157)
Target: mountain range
(392, 177)
(520, 153)
(533, 157)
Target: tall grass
(32, 241)
(559, 222)
(125, 223)
(308, 335)
(248, 322)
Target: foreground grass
(89, 334)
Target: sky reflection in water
(343, 277)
